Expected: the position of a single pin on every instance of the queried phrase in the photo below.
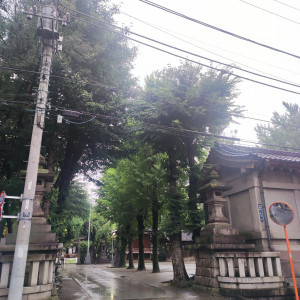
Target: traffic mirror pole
(291, 263)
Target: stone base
(263, 294)
(39, 272)
(31, 293)
(266, 294)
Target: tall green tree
(98, 62)
(16, 101)
(178, 102)
(283, 132)
(132, 191)
(91, 75)
(72, 222)
(115, 203)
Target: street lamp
(112, 248)
(87, 259)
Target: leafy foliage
(91, 76)
(72, 222)
(283, 130)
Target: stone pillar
(43, 245)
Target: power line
(182, 131)
(56, 107)
(181, 50)
(52, 75)
(287, 5)
(217, 28)
(177, 131)
(79, 123)
(270, 12)
(170, 53)
(187, 59)
(217, 69)
(117, 27)
(173, 35)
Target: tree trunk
(130, 253)
(192, 191)
(155, 209)
(141, 228)
(117, 253)
(68, 169)
(78, 252)
(179, 272)
(123, 250)
(177, 259)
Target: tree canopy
(91, 76)
(170, 120)
(283, 132)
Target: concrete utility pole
(48, 22)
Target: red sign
(2, 197)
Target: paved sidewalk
(71, 289)
(103, 282)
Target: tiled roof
(244, 153)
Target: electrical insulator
(35, 9)
(29, 17)
(68, 17)
(59, 119)
(59, 43)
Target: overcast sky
(235, 16)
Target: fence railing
(38, 278)
(247, 270)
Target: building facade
(255, 178)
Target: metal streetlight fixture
(87, 259)
(112, 248)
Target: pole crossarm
(45, 16)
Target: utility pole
(47, 29)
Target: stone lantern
(214, 201)
(218, 236)
(44, 182)
(43, 247)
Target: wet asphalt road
(106, 283)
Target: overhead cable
(185, 41)
(217, 28)
(217, 69)
(180, 131)
(187, 59)
(270, 12)
(287, 5)
(181, 50)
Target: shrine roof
(235, 152)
